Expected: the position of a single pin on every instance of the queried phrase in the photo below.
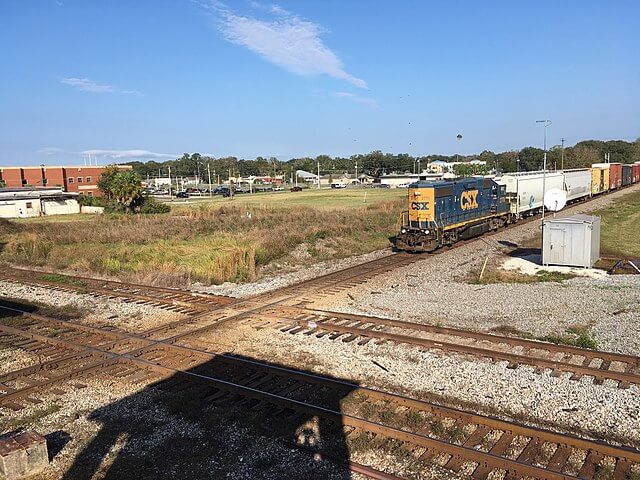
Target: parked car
(338, 185)
(381, 185)
(182, 195)
(278, 188)
(296, 189)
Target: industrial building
(73, 179)
(33, 202)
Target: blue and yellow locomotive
(441, 213)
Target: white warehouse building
(34, 202)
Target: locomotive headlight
(427, 232)
(403, 230)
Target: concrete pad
(532, 264)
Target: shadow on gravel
(56, 441)
(7, 304)
(182, 427)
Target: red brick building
(79, 179)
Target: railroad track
(455, 439)
(618, 369)
(182, 301)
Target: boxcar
(635, 172)
(599, 178)
(524, 190)
(577, 183)
(626, 175)
(615, 176)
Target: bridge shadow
(186, 427)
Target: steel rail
(493, 338)
(400, 400)
(457, 452)
(624, 378)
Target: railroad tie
(589, 466)
(559, 458)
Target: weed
(510, 330)
(413, 419)
(603, 472)
(361, 443)
(387, 414)
(437, 428)
(457, 435)
(38, 414)
(63, 279)
(582, 339)
(550, 276)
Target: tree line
(376, 163)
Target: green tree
(121, 186)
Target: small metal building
(571, 241)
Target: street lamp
(544, 163)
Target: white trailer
(577, 183)
(524, 190)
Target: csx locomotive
(442, 212)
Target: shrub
(152, 206)
(87, 201)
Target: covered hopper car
(577, 184)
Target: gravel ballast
(96, 311)
(437, 290)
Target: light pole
(562, 155)
(544, 163)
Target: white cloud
(287, 41)
(49, 150)
(356, 98)
(128, 154)
(88, 85)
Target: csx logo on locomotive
(469, 200)
(420, 205)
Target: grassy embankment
(619, 228)
(619, 232)
(210, 241)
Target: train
(441, 213)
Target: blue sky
(125, 80)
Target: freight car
(615, 176)
(441, 213)
(599, 178)
(627, 175)
(635, 178)
(524, 190)
(577, 184)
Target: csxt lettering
(469, 200)
(420, 205)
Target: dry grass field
(209, 241)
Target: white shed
(571, 241)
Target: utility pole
(544, 164)
(357, 171)
(562, 155)
(170, 194)
(209, 173)
(318, 174)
